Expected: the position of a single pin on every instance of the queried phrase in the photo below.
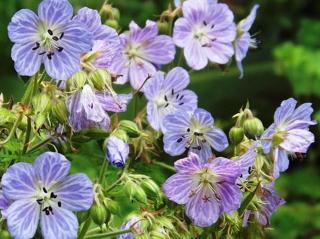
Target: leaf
(245, 203)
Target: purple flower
(206, 32)
(132, 222)
(143, 50)
(106, 44)
(269, 202)
(44, 192)
(167, 95)
(207, 189)
(86, 111)
(51, 38)
(194, 132)
(4, 204)
(244, 40)
(289, 133)
(117, 152)
(113, 102)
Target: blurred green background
(287, 65)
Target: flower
(44, 192)
(106, 44)
(244, 40)
(113, 102)
(194, 132)
(207, 189)
(167, 94)
(206, 32)
(117, 152)
(86, 111)
(133, 222)
(4, 204)
(143, 50)
(52, 38)
(289, 133)
(269, 202)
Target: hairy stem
(84, 228)
(108, 234)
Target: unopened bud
(134, 191)
(41, 103)
(112, 206)
(253, 128)
(236, 135)
(60, 111)
(100, 79)
(5, 235)
(98, 214)
(77, 81)
(163, 27)
(130, 128)
(112, 23)
(259, 162)
(121, 134)
(150, 185)
(6, 116)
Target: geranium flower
(289, 133)
(44, 192)
(205, 32)
(51, 38)
(106, 44)
(143, 50)
(207, 189)
(4, 204)
(194, 132)
(244, 40)
(117, 151)
(168, 94)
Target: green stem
(108, 234)
(27, 139)
(103, 171)
(112, 186)
(84, 229)
(15, 126)
(43, 142)
(163, 165)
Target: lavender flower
(206, 32)
(289, 133)
(44, 192)
(106, 44)
(4, 204)
(113, 102)
(244, 40)
(207, 189)
(143, 50)
(194, 132)
(132, 222)
(269, 202)
(86, 111)
(51, 38)
(117, 152)
(166, 95)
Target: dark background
(288, 65)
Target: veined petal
(51, 168)
(217, 139)
(281, 162)
(113, 103)
(297, 140)
(230, 197)
(195, 10)
(177, 123)
(75, 193)
(19, 181)
(90, 18)
(203, 117)
(120, 68)
(203, 150)
(220, 52)
(55, 12)
(143, 34)
(246, 23)
(62, 224)
(139, 72)
(23, 218)
(154, 85)
(188, 164)
(284, 112)
(228, 170)
(182, 32)
(27, 62)
(242, 46)
(177, 79)
(174, 145)
(266, 138)
(23, 27)
(196, 55)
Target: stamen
(50, 54)
(42, 53)
(181, 103)
(188, 130)
(165, 98)
(45, 190)
(166, 105)
(181, 97)
(61, 36)
(60, 49)
(179, 140)
(59, 204)
(52, 195)
(198, 134)
(50, 32)
(39, 201)
(205, 23)
(172, 91)
(55, 38)
(177, 96)
(37, 46)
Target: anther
(61, 36)
(50, 32)
(177, 96)
(172, 91)
(52, 195)
(165, 98)
(55, 38)
(60, 49)
(179, 140)
(37, 46)
(59, 204)
(181, 97)
(166, 105)
(188, 130)
(181, 103)
(39, 201)
(45, 190)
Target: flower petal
(182, 32)
(23, 218)
(219, 52)
(297, 141)
(217, 139)
(62, 224)
(51, 168)
(284, 112)
(195, 10)
(55, 12)
(230, 197)
(203, 117)
(246, 23)
(143, 34)
(75, 193)
(196, 55)
(203, 150)
(139, 72)
(281, 162)
(23, 27)
(19, 181)
(188, 164)
(177, 79)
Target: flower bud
(163, 27)
(236, 135)
(5, 235)
(6, 116)
(121, 134)
(253, 127)
(259, 162)
(60, 111)
(100, 79)
(77, 81)
(41, 103)
(112, 23)
(134, 191)
(112, 206)
(130, 128)
(117, 151)
(99, 214)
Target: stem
(27, 139)
(108, 234)
(15, 126)
(163, 165)
(85, 228)
(112, 186)
(103, 171)
(47, 140)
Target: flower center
(165, 99)
(45, 199)
(133, 50)
(201, 33)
